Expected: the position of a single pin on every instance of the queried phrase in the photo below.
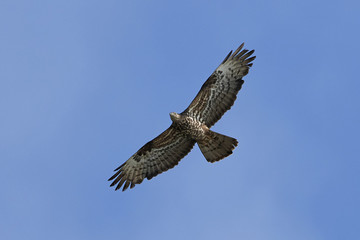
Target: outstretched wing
(218, 93)
(162, 153)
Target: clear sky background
(84, 84)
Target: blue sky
(84, 84)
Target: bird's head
(174, 116)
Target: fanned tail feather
(217, 146)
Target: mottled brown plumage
(215, 97)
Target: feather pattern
(215, 97)
(159, 155)
(218, 93)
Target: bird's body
(215, 97)
(189, 126)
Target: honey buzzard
(215, 97)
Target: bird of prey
(215, 97)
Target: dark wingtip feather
(120, 183)
(113, 176)
(248, 54)
(238, 49)
(241, 53)
(119, 167)
(227, 57)
(127, 183)
(249, 60)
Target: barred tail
(217, 146)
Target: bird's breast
(193, 128)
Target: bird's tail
(217, 146)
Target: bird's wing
(218, 93)
(162, 153)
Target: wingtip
(249, 60)
(227, 57)
(119, 167)
(238, 50)
(115, 181)
(126, 185)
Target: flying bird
(215, 97)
